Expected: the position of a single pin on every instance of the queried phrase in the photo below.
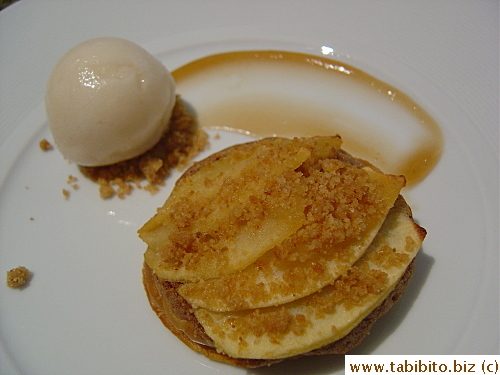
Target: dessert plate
(85, 311)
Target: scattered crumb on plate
(72, 182)
(45, 145)
(17, 277)
(72, 179)
(66, 193)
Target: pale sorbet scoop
(108, 100)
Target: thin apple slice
(328, 315)
(346, 207)
(222, 216)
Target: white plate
(85, 310)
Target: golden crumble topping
(350, 290)
(18, 277)
(388, 257)
(344, 207)
(356, 285)
(273, 322)
(201, 235)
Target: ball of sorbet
(108, 100)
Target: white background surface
(85, 311)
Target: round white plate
(85, 311)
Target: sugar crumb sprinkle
(45, 145)
(66, 193)
(18, 277)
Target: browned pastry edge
(338, 347)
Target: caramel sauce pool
(270, 113)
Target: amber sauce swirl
(277, 116)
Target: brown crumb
(45, 145)
(72, 182)
(17, 277)
(72, 179)
(123, 189)
(153, 189)
(66, 193)
(105, 189)
(183, 141)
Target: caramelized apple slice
(329, 314)
(222, 215)
(346, 208)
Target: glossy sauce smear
(275, 93)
